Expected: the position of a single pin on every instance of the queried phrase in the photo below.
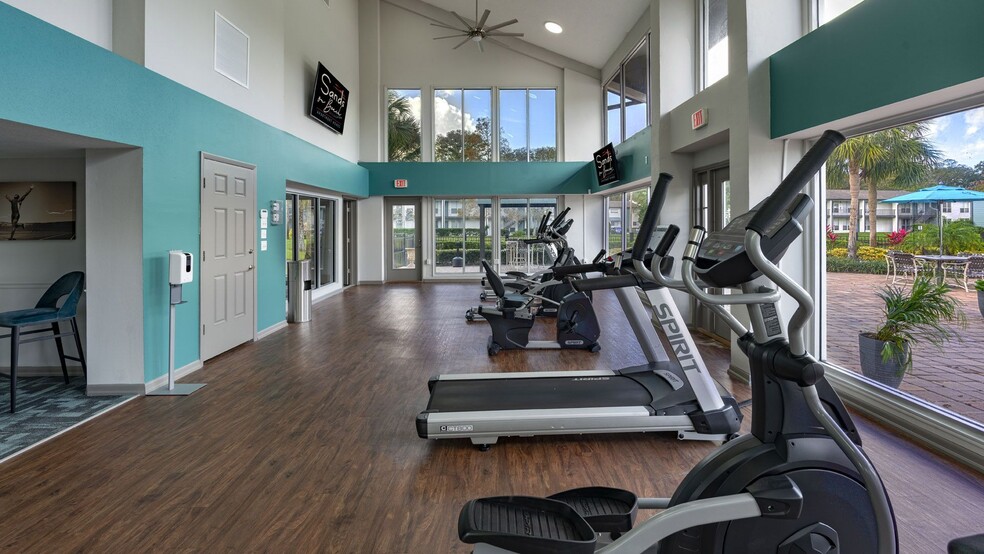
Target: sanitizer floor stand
(172, 388)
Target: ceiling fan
(478, 32)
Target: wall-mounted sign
(606, 165)
(400, 183)
(698, 119)
(329, 101)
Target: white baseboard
(271, 330)
(178, 373)
(114, 390)
(46, 371)
(370, 282)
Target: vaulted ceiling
(593, 29)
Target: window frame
(335, 202)
(646, 41)
(624, 207)
(701, 30)
(529, 149)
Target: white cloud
(972, 152)
(935, 127)
(448, 117)
(974, 120)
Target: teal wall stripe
(476, 178)
(50, 78)
(878, 53)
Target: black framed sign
(606, 165)
(329, 101)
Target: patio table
(940, 260)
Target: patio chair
(890, 265)
(905, 266)
(964, 273)
(46, 312)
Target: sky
(959, 136)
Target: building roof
(842, 194)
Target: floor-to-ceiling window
(614, 218)
(311, 233)
(623, 218)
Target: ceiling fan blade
(450, 27)
(500, 34)
(462, 43)
(453, 36)
(501, 25)
(485, 17)
(480, 47)
(462, 20)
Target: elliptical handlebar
(560, 219)
(652, 212)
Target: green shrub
(979, 285)
(846, 265)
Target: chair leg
(61, 350)
(78, 346)
(14, 345)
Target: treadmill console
(722, 261)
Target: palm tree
(403, 129)
(901, 156)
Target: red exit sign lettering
(400, 183)
(699, 118)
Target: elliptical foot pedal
(525, 524)
(606, 510)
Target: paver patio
(952, 379)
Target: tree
(475, 145)
(403, 129)
(955, 174)
(900, 156)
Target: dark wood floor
(305, 442)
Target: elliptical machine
(799, 483)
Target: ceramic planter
(888, 373)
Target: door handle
(250, 250)
(250, 268)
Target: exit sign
(699, 118)
(400, 183)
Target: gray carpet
(45, 406)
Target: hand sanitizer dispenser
(181, 267)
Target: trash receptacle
(299, 291)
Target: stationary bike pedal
(606, 510)
(525, 524)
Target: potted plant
(979, 285)
(912, 316)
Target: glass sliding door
(613, 215)
(311, 235)
(518, 219)
(326, 242)
(462, 234)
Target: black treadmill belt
(542, 393)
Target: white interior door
(228, 241)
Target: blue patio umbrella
(938, 193)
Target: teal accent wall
(878, 53)
(476, 178)
(632, 154)
(52, 79)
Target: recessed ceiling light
(554, 28)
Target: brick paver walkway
(952, 379)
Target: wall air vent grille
(231, 51)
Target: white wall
(30, 267)
(180, 37)
(315, 32)
(114, 276)
(89, 19)
(587, 236)
(287, 40)
(583, 116)
(371, 230)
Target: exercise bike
(513, 316)
(798, 483)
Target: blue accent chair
(46, 312)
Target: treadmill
(664, 395)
